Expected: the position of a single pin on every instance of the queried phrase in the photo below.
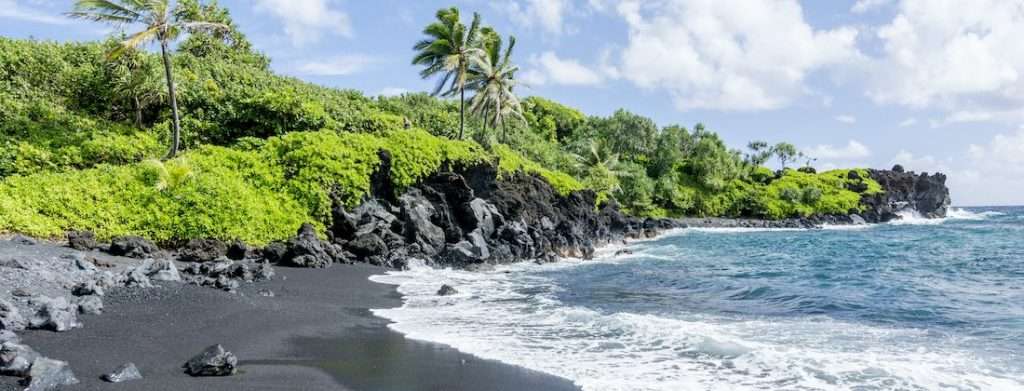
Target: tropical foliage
(82, 135)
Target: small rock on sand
(123, 373)
(213, 361)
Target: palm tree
(601, 165)
(135, 80)
(447, 51)
(492, 76)
(161, 24)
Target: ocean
(912, 305)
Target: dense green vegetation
(82, 134)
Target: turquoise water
(918, 305)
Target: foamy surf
(512, 315)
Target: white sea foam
(912, 217)
(512, 314)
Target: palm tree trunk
(462, 111)
(175, 124)
(138, 112)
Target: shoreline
(316, 333)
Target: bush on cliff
(256, 193)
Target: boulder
(54, 314)
(82, 240)
(446, 290)
(238, 251)
(136, 278)
(417, 212)
(344, 225)
(374, 217)
(91, 305)
(48, 374)
(212, 361)
(16, 359)
(10, 317)
(367, 245)
(485, 217)
(8, 336)
(162, 270)
(275, 252)
(461, 254)
(307, 250)
(123, 373)
(132, 247)
(202, 250)
(855, 219)
(87, 288)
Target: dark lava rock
(133, 247)
(202, 250)
(307, 250)
(275, 252)
(227, 274)
(92, 305)
(624, 251)
(446, 290)
(82, 240)
(238, 251)
(417, 212)
(367, 245)
(16, 359)
(48, 374)
(10, 317)
(212, 361)
(87, 288)
(54, 314)
(123, 373)
(906, 191)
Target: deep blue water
(918, 306)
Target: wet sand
(316, 333)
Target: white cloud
(548, 68)
(846, 119)
(852, 150)
(10, 9)
(862, 6)
(306, 21)
(1005, 153)
(987, 174)
(943, 54)
(908, 122)
(335, 66)
(548, 14)
(728, 54)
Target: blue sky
(936, 85)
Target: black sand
(315, 334)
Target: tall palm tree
(492, 76)
(160, 24)
(447, 51)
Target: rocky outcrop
(470, 217)
(133, 247)
(924, 194)
(212, 361)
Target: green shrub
(510, 161)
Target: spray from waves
(912, 217)
(512, 315)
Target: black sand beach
(315, 334)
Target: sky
(933, 85)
